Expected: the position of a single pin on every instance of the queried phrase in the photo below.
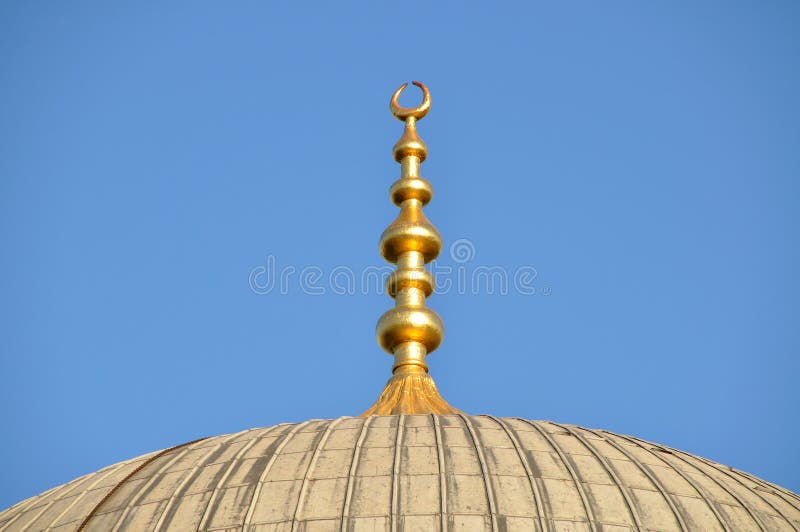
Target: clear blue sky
(643, 157)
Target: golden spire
(410, 331)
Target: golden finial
(410, 331)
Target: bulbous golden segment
(419, 278)
(411, 231)
(411, 188)
(409, 324)
(410, 144)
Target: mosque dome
(413, 472)
(412, 462)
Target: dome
(413, 472)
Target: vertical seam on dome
(624, 490)
(22, 506)
(301, 497)
(37, 516)
(487, 481)
(776, 490)
(650, 475)
(721, 485)
(353, 468)
(700, 491)
(218, 487)
(185, 481)
(56, 493)
(537, 496)
(437, 433)
(571, 470)
(257, 491)
(119, 484)
(82, 494)
(396, 471)
(22, 510)
(142, 492)
(721, 469)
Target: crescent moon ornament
(404, 113)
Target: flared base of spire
(410, 393)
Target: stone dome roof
(416, 472)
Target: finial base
(410, 393)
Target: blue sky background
(641, 156)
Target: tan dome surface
(425, 472)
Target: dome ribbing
(417, 472)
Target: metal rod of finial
(410, 331)
(404, 113)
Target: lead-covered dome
(416, 472)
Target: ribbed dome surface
(413, 473)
